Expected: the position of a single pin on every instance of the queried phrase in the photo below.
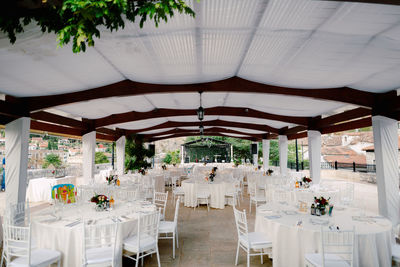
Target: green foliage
(172, 157)
(100, 157)
(52, 159)
(51, 145)
(136, 154)
(80, 20)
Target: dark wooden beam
(217, 111)
(342, 117)
(223, 123)
(54, 118)
(351, 125)
(234, 84)
(106, 137)
(15, 110)
(53, 128)
(293, 130)
(197, 134)
(212, 129)
(382, 2)
(297, 136)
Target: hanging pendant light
(200, 110)
(201, 128)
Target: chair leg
(137, 260)
(142, 259)
(250, 206)
(262, 256)
(248, 258)
(177, 242)
(173, 245)
(158, 257)
(2, 257)
(58, 263)
(237, 254)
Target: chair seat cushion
(256, 240)
(396, 252)
(203, 195)
(331, 260)
(146, 243)
(39, 258)
(166, 227)
(99, 255)
(258, 199)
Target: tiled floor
(205, 239)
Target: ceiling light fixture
(200, 110)
(201, 128)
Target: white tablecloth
(217, 192)
(68, 240)
(39, 189)
(291, 242)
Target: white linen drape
(283, 153)
(89, 146)
(387, 166)
(17, 142)
(120, 145)
(265, 149)
(314, 144)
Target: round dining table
(61, 228)
(294, 233)
(218, 189)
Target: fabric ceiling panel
(275, 124)
(156, 131)
(99, 108)
(282, 105)
(250, 131)
(240, 14)
(192, 118)
(36, 67)
(139, 124)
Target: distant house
(342, 154)
(371, 153)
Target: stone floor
(205, 238)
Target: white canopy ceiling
(291, 43)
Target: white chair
(280, 195)
(347, 193)
(144, 242)
(18, 248)
(177, 191)
(160, 200)
(255, 196)
(202, 194)
(233, 193)
(168, 228)
(99, 244)
(17, 215)
(256, 241)
(337, 250)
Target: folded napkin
(318, 221)
(271, 217)
(290, 212)
(73, 223)
(363, 218)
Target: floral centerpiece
(113, 179)
(269, 172)
(305, 182)
(213, 173)
(164, 167)
(102, 202)
(321, 204)
(142, 171)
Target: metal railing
(355, 167)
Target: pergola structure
(267, 69)
(206, 142)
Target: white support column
(255, 156)
(265, 149)
(89, 148)
(120, 145)
(283, 154)
(231, 153)
(17, 143)
(387, 166)
(314, 152)
(182, 156)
